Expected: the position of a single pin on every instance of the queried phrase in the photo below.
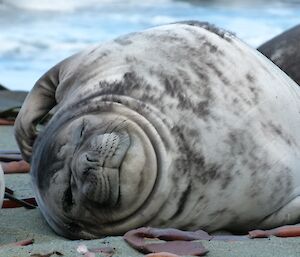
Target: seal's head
(96, 168)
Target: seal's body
(181, 126)
(284, 51)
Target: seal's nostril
(107, 150)
(90, 159)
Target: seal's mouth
(97, 165)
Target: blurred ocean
(36, 34)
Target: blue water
(36, 34)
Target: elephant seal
(284, 51)
(181, 125)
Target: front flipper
(37, 104)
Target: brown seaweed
(161, 254)
(15, 167)
(285, 231)
(19, 243)
(6, 122)
(13, 202)
(178, 242)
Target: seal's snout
(99, 165)
(108, 150)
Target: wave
(48, 5)
(73, 5)
(31, 40)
